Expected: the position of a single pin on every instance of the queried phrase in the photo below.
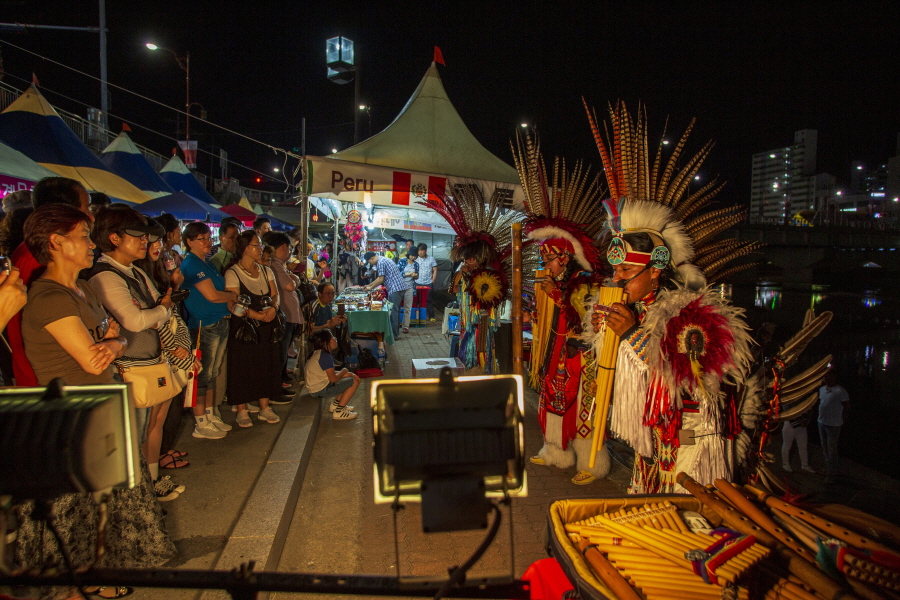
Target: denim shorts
(213, 343)
(332, 390)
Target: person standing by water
(832, 398)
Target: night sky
(751, 74)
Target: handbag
(150, 384)
(307, 291)
(280, 327)
(246, 332)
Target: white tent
(414, 157)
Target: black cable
(65, 554)
(458, 574)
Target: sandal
(175, 453)
(583, 478)
(117, 592)
(170, 461)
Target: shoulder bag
(150, 384)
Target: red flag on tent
(35, 82)
(125, 127)
(439, 56)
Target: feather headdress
(656, 198)
(563, 207)
(483, 228)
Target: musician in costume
(484, 247)
(562, 215)
(684, 350)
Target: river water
(864, 340)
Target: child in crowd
(323, 382)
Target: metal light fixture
(449, 443)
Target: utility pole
(104, 76)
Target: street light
(185, 64)
(343, 67)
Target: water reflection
(768, 296)
(871, 299)
(862, 341)
(817, 296)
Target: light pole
(368, 110)
(185, 64)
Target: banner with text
(386, 186)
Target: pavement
(298, 496)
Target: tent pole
(518, 368)
(334, 248)
(304, 234)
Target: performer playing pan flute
(683, 347)
(562, 215)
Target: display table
(372, 321)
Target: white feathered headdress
(655, 198)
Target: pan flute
(606, 371)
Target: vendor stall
(366, 314)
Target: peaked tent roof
(429, 136)
(182, 206)
(15, 164)
(123, 158)
(31, 126)
(179, 178)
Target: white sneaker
(250, 408)
(343, 415)
(219, 423)
(787, 468)
(268, 415)
(243, 419)
(334, 407)
(208, 431)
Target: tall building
(784, 180)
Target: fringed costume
(563, 214)
(680, 365)
(484, 245)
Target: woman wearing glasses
(129, 294)
(254, 368)
(208, 307)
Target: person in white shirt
(427, 275)
(832, 398)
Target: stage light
(450, 444)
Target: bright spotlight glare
(152, 46)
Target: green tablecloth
(368, 321)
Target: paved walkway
(334, 525)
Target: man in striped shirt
(390, 276)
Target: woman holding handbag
(253, 346)
(68, 334)
(128, 293)
(176, 345)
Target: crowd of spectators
(93, 292)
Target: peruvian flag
(410, 188)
